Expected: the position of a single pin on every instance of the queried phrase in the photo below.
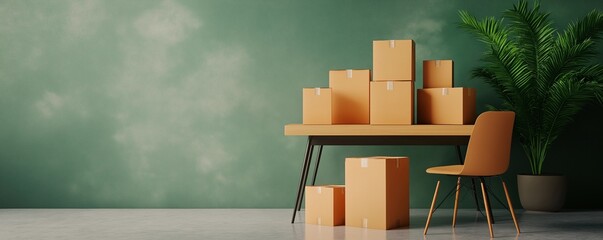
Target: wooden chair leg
(433, 202)
(486, 206)
(456, 201)
(510, 206)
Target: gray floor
(274, 224)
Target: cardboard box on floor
(438, 74)
(350, 89)
(316, 107)
(392, 102)
(446, 106)
(393, 60)
(325, 205)
(377, 192)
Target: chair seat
(446, 170)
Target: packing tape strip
(392, 43)
(397, 163)
(317, 91)
(437, 63)
(444, 91)
(364, 162)
(319, 190)
(390, 85)
(365, 222)
(348, 72)
(319, 220)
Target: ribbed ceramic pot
(542, 192)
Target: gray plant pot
(542, 192)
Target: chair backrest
(489, 148)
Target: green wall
(182, 103)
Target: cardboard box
(392, 102)
(317, 106)
(446, 106)
(377, 193)
(393, 60)
(438, 74)
(325, 205)
(350, 96)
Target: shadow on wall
(577, 154)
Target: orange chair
(488, 154)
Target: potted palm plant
(545, 76)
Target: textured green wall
(182, 103)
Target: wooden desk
(320, 135)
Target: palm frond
(567, 97)
(533, 32)
(488, 30)
(503, 57)
(589, 27)
(574, 47)
(593, 73)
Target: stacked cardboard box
(392, 88)
(317, 106)
(350, 96)
(439, 102)
(355, 99)
(393, 60)
(438, 73)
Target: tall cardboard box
(377, 193)
(393, 60)
(438, 74)
(350, 89)
(325, 205)
(392, 102)
(317, 108)
(446, 106)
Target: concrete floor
(274, 224)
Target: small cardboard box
(317, 108)
(325, 205)
(438, 74)
(392, 102)
(446, 106)
(377, 192)
(350, 90)
(393, 60)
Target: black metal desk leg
(303, 177)
(317, 163)
(306, 172)
(461, 160)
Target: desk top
(377, 130)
